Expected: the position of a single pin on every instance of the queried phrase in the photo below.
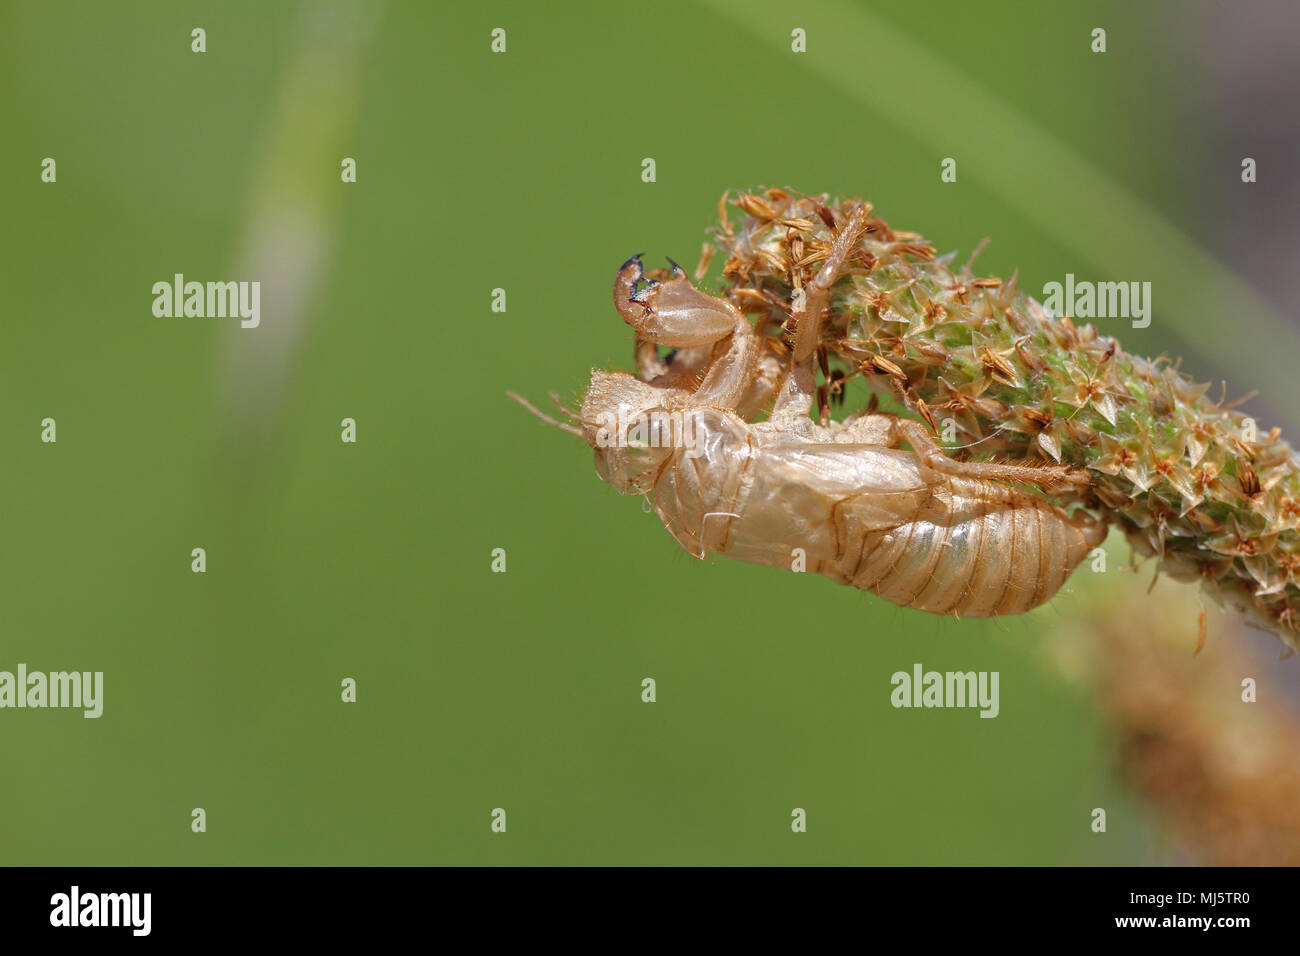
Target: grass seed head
(1190, 480)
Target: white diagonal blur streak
(291, 229)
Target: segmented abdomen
(870, 516)
(975, 549)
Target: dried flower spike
(1190, 480)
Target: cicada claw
(671, 312)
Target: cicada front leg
(681, 367)
(770, 373)
(676, 314)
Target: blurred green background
(372, 561)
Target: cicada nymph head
(630, 426)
